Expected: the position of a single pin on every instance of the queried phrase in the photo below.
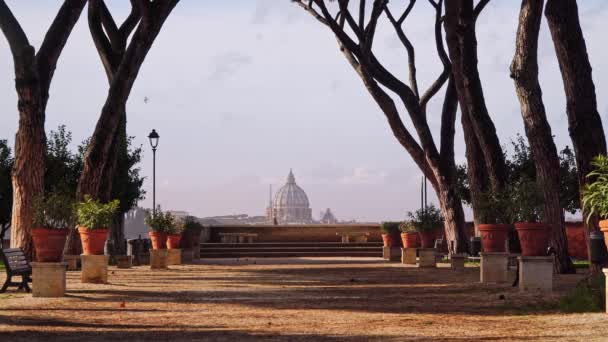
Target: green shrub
(55, 211)
(587, 296)
(171, 226)
(407, 227)
(595, 194)
(390, 227)
(93, 214)
(191, 223)
(157, 220)
(427, 219)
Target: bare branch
(479, 8)
(411, 54)
(101, 41)
(17, 40)
(130, 23)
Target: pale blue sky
(241, 91)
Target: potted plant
(595, 194)
(495, 212)
(409, 234)
(94, 219)
(53, 216)
(427, 221)
(527, 212)
(174, 231)
(158, 229)
(191, 234)
(390, 234)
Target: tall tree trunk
(30, 151)
(33, 75)
(584, 122)
(477, 173)
(524, 71)
(459, 24)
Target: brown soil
(295, 300)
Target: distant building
(328, 217)
(290, 204)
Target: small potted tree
(595, 194)
(158, 228)
(495, 212)
(409, 234)
(53, 216)
(527, 213)
(94, 219)
(174, 231)
(191, 234)
(390, 234)
(427, 221)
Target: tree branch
(101, 41)
(411, 55)
(17, 40)
(479, 8)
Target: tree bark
(33, 75)
(459, 23)
(584, 122)
(524, 71)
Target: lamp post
(153, 136)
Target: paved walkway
(320, 299)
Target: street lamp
(153, 136)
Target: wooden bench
(238, 237)
(348, 237)
(16, 264)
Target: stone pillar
(71, 261)
(391, 253)
(457, 261)
(187, 255)
(158, 259)
(535, 273)
(427, 257)
(94, 269)
(494, 267)
(174, 256)
(408, 256)
(48, 279)
(123, 261)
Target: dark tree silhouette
(584, 122)
(355, 35)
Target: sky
(241, 91)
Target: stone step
(290, 254)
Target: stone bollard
(48, 279)
(494, 268)
(174, 256)
(427, 257)
(187, 255)
(123, 261)
(535, 273)
(94, 269)
(158, 259)
(408, 256)
(72, 261)
(457, 261)
(391, 253)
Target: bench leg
(24, 283)
(6, 283)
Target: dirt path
(305, 300)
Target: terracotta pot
(577, 244)
(409, 240)
(49, 244)
(159, 240)
(493, 237)
(427, 239)
(533, 238)
(389, 240)
(93, 240)
(173, 241)
(604, 229)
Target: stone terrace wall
(297, 233)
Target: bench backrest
(14, 260)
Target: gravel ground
(323, 299)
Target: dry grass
(295, 300)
